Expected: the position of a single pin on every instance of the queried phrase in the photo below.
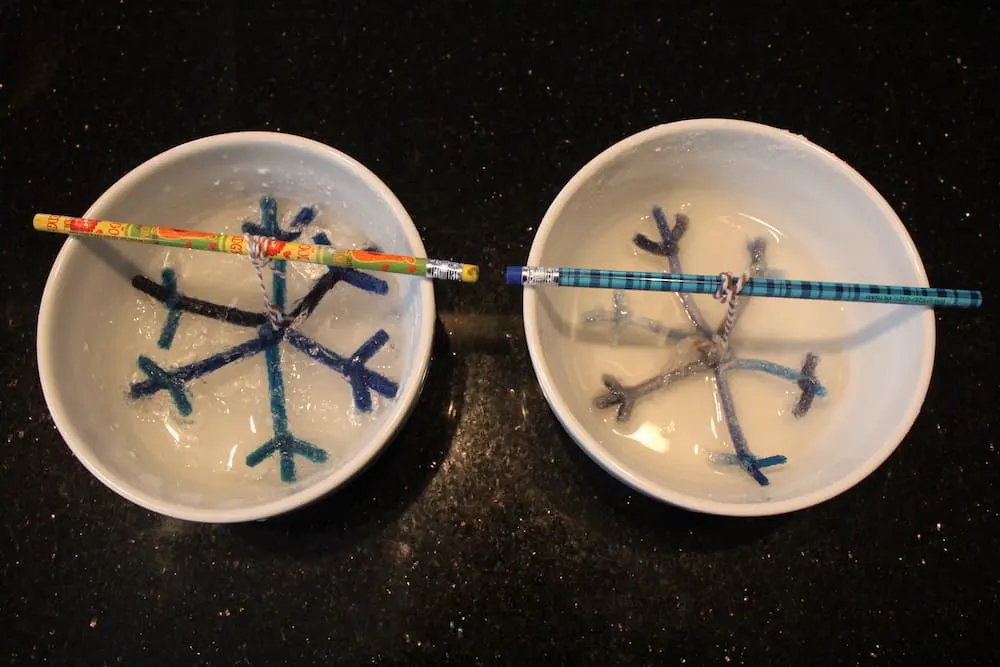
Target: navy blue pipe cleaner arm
(164, 295)
(174, 381)
(270, 228)
(363, 380)
(334, 274)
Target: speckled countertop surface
(484, 536)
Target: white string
(257, 253)
(729, 289)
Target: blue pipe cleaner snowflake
(267, 339)
(714, 354)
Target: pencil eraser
(514, 275)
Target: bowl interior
(95, 325)
(735, 181)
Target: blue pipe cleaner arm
(809, 385)
(780, 371)
(363, 380)
(744, 456)
(625, 397)
(174, 381)
(284, 443)
(734, 459)
(669, 243)
(173, 304)
(288, 447)
(669, 247)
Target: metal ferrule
(539, 275)
(443, 270)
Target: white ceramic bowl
(94, 325)
(734, 180)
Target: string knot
(730, 286)
(257, 250)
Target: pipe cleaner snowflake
(272, 327)
(714, 355)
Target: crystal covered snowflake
(713, 354)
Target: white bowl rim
(590, 445)
(410, 388)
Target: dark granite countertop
(482, 538)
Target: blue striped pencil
(766, 287)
